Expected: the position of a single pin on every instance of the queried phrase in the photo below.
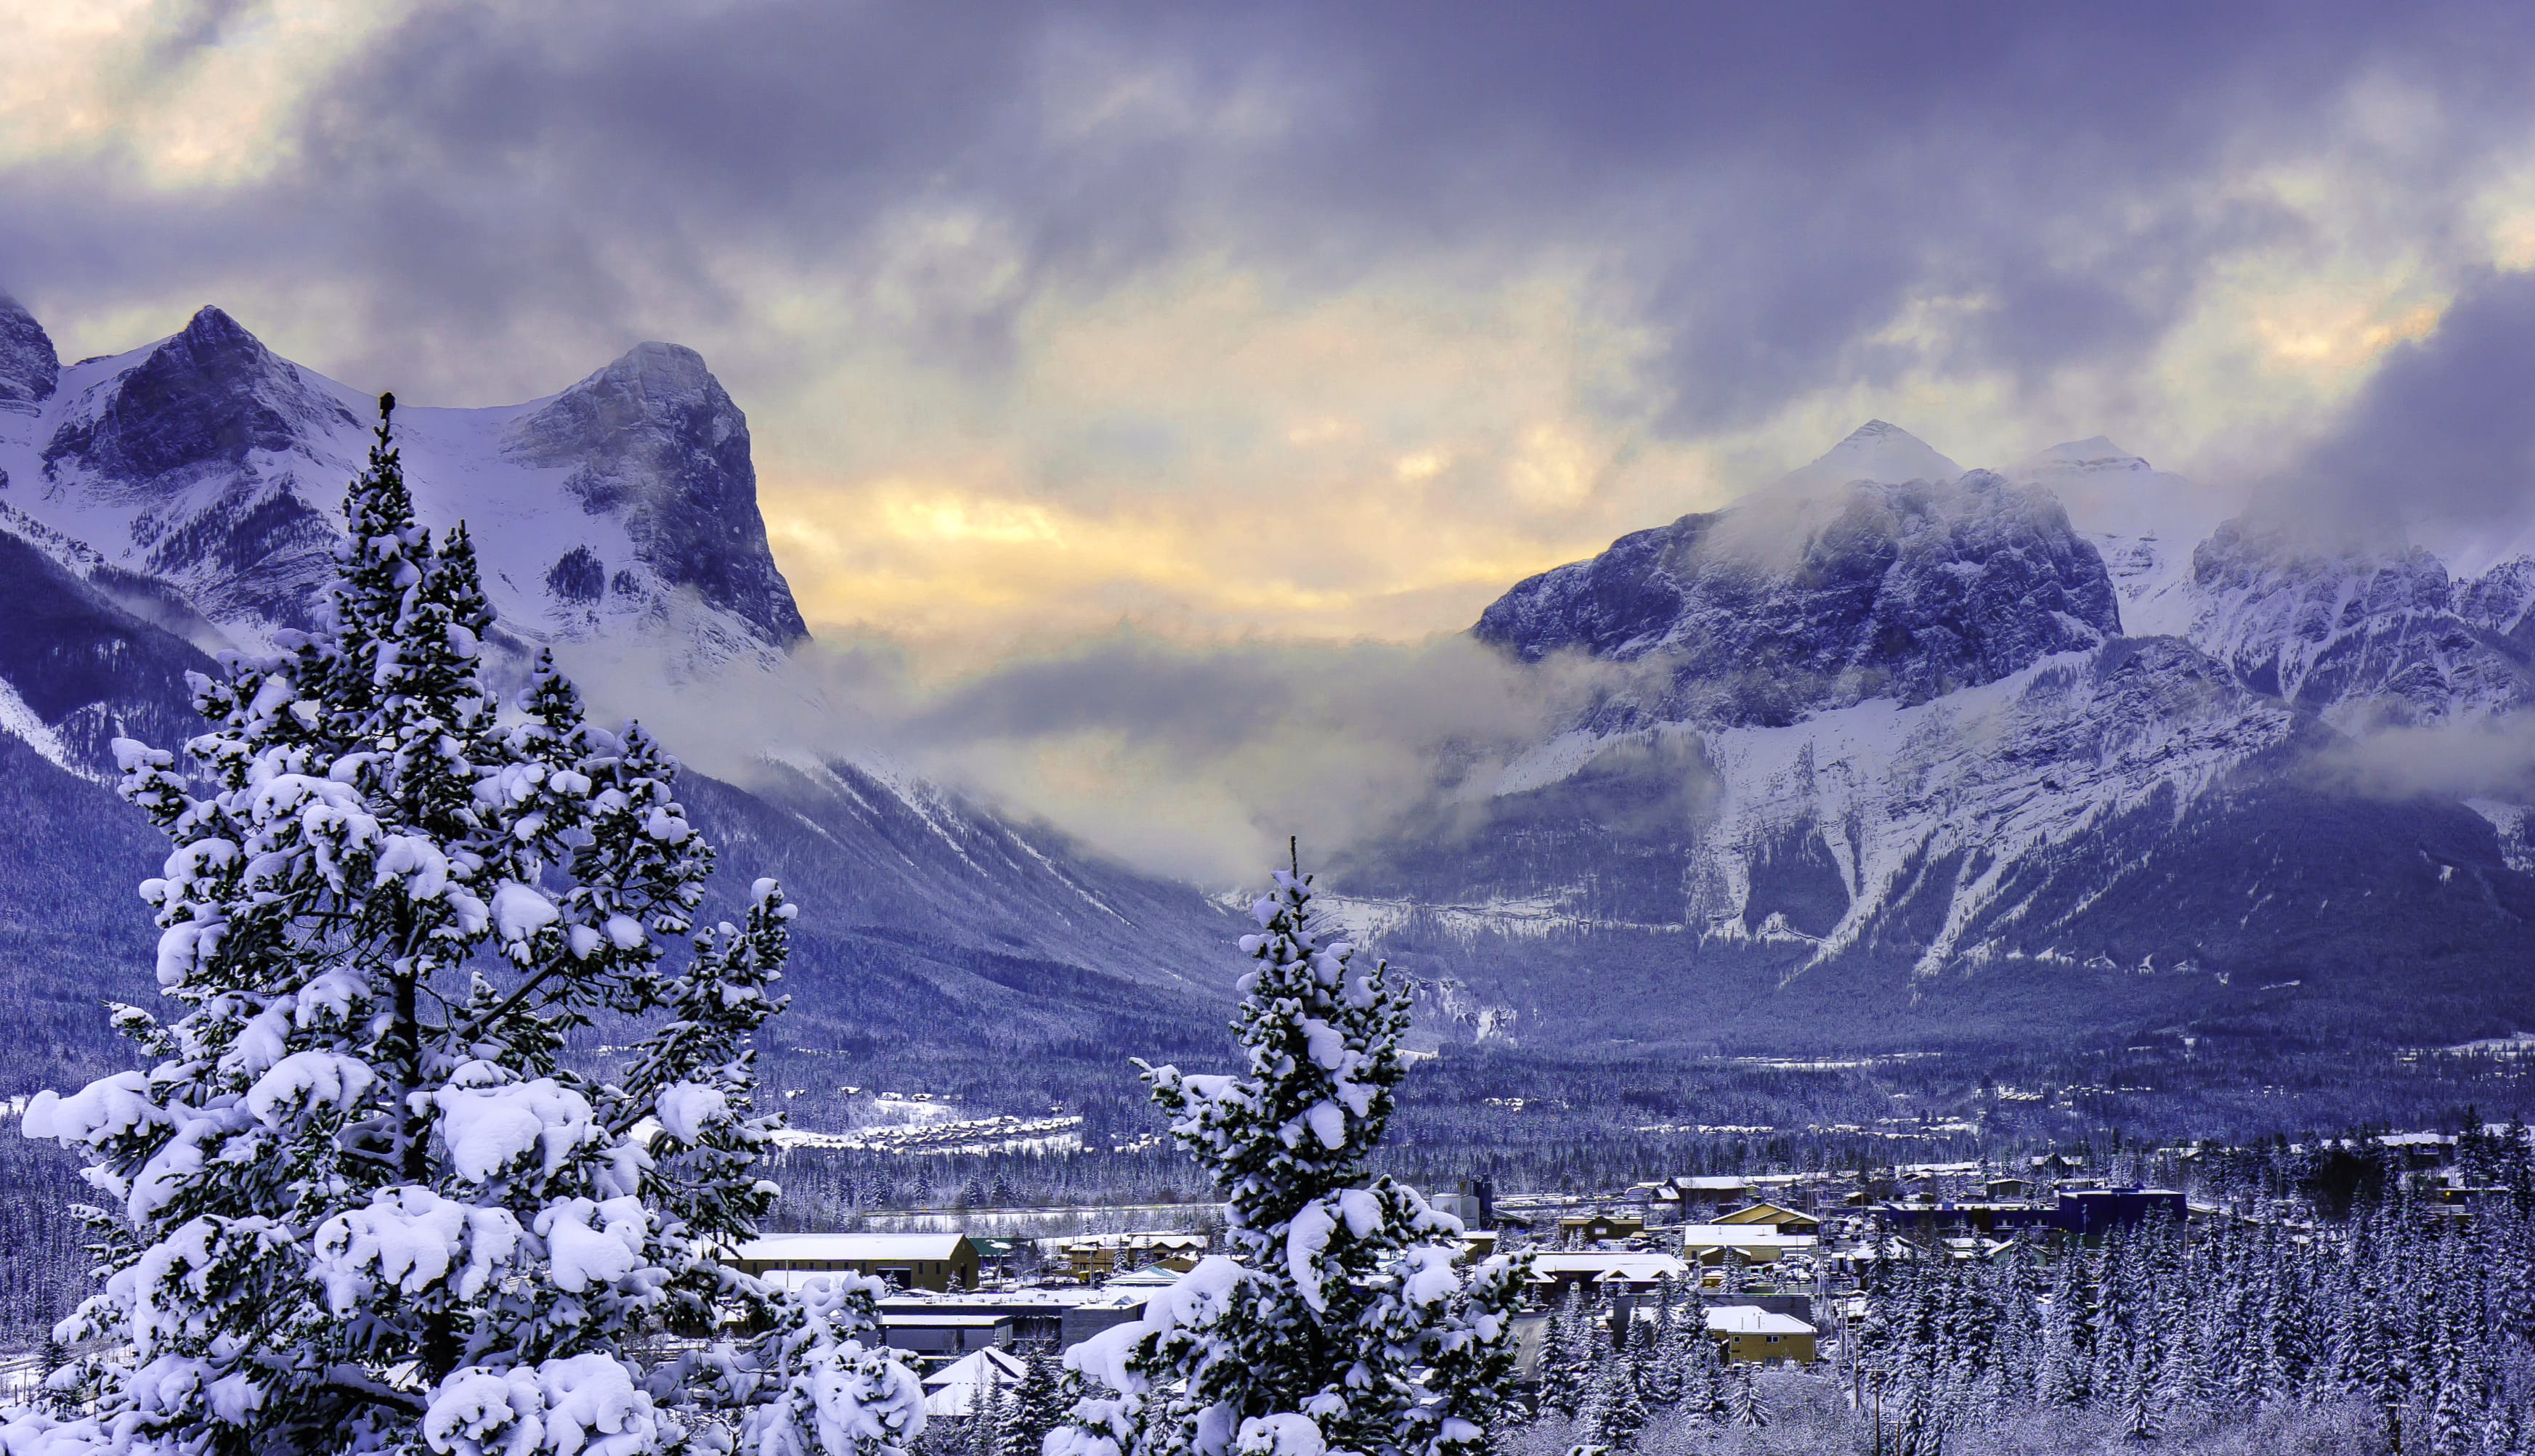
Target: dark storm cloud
(2443, 432)
(1767, 185)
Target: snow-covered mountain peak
(28, 367)
(1876, 451)
(1779, 608)
(656, 441)
(211, 393)
(209, 464)
(2143, 522)
(2094, 452)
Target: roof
(1742, 1235)
(953, 1390)
(1752, 1319)
(875, 1247)
(1632, 1266)
(978, 1367)
(1723, 1184)
(1768, 1213)
(917, 1320)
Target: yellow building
(1755, 1336)
(936, 1261)
(1786, 1220)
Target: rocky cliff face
(2352, 633)
(199, 459)
(654, 440)
(28, 368)
(1905, 591)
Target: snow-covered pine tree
(2139, 1408)
(1038, 1404)
(1614, 1413)
(363, 1201)
(1343, 1325)
(1748, 1405)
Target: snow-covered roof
(833, 1247)
(977, 1369)
(954, 1390)
(1720, 1182)
(1597, 1265)
(1752, 1319)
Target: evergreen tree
(1612, 1413)
(361, 1200)
(1566, 1357)
(1038, 1404)
(1344, 1324)
(2139, 1409)
(1746, 1406)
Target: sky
(1126, 349)
(1295, 322)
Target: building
(1785, 1220)
(1555, 1272)
(1095, 1260)
(944, 1334)
(1593, 1228)
(933, 1261)
(2081, 1212)
(1473, 1203)
(956, 1391)
(1045, 1318)
(2086, 1212)
(1754, 1244)
(1755, 1336)
(1685, 1192)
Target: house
(1051, 1318)
(1785, 1220)
(1753, 1335)
(1593, 1228)
(934, 1261)
(944, 1334)
(1754, 1244)
(1093, 1260)
(1555, 1272)
(1700, 1191)
(956, 1391)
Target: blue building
(2081, 1212)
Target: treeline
(2422, 1320)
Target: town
(1788, 1272)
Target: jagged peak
(656, 368)
(212, 342)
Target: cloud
(2440, 442)
(1193, 761)
(2490, 759)
(1316, 320)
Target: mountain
(2142, 520)
(1883, 767)
(181, 498)
(2383, 632)
(1907, 591)
(625, 504)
